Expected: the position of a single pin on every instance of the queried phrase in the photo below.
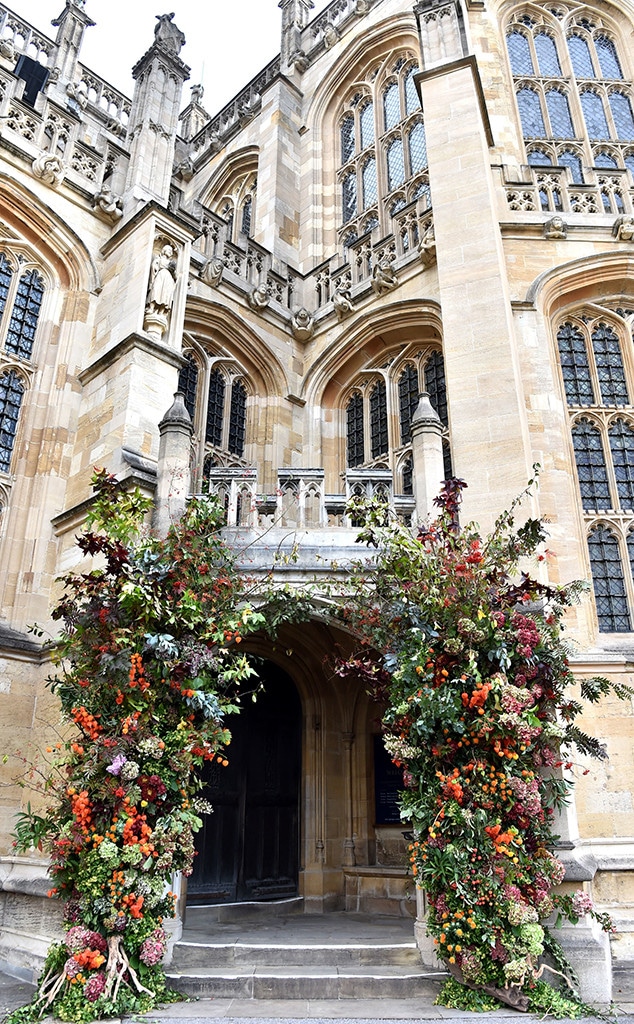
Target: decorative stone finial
(177, 414)
(168, 35)
(425, 412)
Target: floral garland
(149, 671)
(474, 676)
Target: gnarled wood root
(117, 967)
(512, 995)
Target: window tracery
(570, 86)
(237, 204)
(11, 395)
(379, 409)
(595, 355)
(382, 148)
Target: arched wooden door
(248, 848)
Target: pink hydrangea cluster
(71, 968)
(527, 634)
(582, 903)
(153, 949)
(529, 802)
(79, 938)
(95, 986)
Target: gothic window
(11, 394)
(188, 384)
(383, 154)
(378, 420)
(408, 476)
(596, 377)
(355, 431)
(586, 106)
(237, 419)
(539, 158)
(215, 408)
(603, 159)
(235, 200)
(6, 274)
(21, 296)
(436, 386)
(247, 210)
(608, 581)
(408, 390)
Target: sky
(228, 41)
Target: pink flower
(581, 903)
(95, 986)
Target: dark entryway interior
(248, 848)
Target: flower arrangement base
(512, 996)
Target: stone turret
(426, 430)
(174, 475)
(295, 14)
(71, 25)
(159, 78)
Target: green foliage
(464, 650)
(459, 997)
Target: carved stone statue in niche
(167, 34)
(160, 296)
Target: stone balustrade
(25, 39)
(550, 190)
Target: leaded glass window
(603, 159)
(630, 550)
(408, 476)
(539, 158)
(417, 148)
(370, 187)
(347, 138)
(237, 418)
(622, 113)
(355, 433)
(188, 384)
(408, 400)
(378, 420)
(247, 210)
(609, 360)
(519, 54)
(559, 114)
(580, 57)
(531, 116)
(367, 125)
(395, 164)
(575, 366)
(215, 408)
(349, 194)
(594, 115)
(547, 57)
(591, 466)
(447, 461)
(411, 95)
(391, 107)
(608, 581)
(435, 385)
(571, 160)
(11, 394)
(621, 436)
(25, 314)
(6, 275)
(608, 60)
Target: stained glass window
(622, 447)
(395, 164)
(533, 126)
(412, 102)
(594, 114)
(349, 196)
(604, 159)
(447, 461)
(539, 158)
(417, 148)
(608, 60)
(215, 408)
(378, 420)
(547, 58)
(408, 476)
(559, 114)
(571, 160)
(25, 314)
(367, 125)
(609, 360)
(11, 394)
(391, 106)
(370, 188)
(347, 138)
(436, 386)
(355, 438)
(408, 400)
(575, 367)
(237, 418)
(247, 210)
(6, 274)
(519, 54)
(580, 57)
(188, 384)
(622, 113)
(591, 467)
(609, 584)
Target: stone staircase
(263, 954)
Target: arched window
(436, 386)
(547, 58)
(417, 148)
(408, 400)
(395, 164)
(539, 158)
(621, 436)
(608, 581)
(355, 431)
(367, 124)
(571, 160)
(188, 384)
(391, 106)
(370, 187)
(519, 54)
(247, 210)
(591, 466)
(347, 138)
(533, 126)
(237, 418)
(378, 420)
(580, 57)
(411, 96)
(349, 192)
(622, 113)
(215, 408)
(609, 362)
(559, 114)
(407, 476)
(6, 275)
(594, 115)
(11, 395)
(603, 159)
(573, 356)
(608, 60)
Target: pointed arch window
(21, 297)
(608, 581)
(622, 114)
(594, 115)
(11, 395)
(573, 356)
(247, 211)
(349, 191)
(603, 159)
(547, 56)
(188, 384)
(591, 466)
(347, 138)
(370, 186)
(411, 95)
(408, 391)
(367, 124)
(215, 408)
(395, 164)
(533, 126)
(378, 420)
(436, 386)
(237, 418)
(418, 148)
(559, 114)
(608, 59)
(355, 430)
(519, 54)
(609, 361)
(571, 160)
(621, 435)
(580, 57)
(6, 276)
(391, 106)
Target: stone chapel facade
(431, 198)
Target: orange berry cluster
(86, 722)
(81, 807)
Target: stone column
(279, 177)
(173, 484)
(427, 456)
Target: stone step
(317, 982)
(190, 956)
(202, 915)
